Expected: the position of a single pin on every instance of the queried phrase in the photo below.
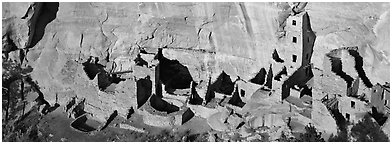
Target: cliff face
(207, 37)
(56, 39)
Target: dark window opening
(294, 22)
(242, 93)
(294, 58)
(352, 104)
(348, 117)
(294, 39)
(386, 102)
(308, 39)
(382, 96)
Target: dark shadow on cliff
(359, 67)
(223, 84)
(379, 117)
(282, 72)
(46, 15)
(173, 74)
(236, 100)
(92, 68)
(111, 118)
(161, 105)
(139, 61)
(195, 98)
(276, 57)
(337, 68)
(260, 77)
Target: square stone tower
(301, 38)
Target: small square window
(352, 104)
(294, 58)
(294, 39)
(294, 22)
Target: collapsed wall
(337, 68)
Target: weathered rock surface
(122, 41)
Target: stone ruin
(169, 74)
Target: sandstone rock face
(101, 58)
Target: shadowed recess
(84, 124)
(144, 90)
(130, 112)
(282, 72)
(223, 84)
(111, 118)
(187, 115)
(276, 57)
(210, 92)
(260, 77)
(359, 67)
(161, 105)
(269, 78)
(337, 69)
(379, 117)
(92, 68)
(139, 61)
(306, 91)
(173, 74)
(195, 99)
(46, 14)
(236, 100)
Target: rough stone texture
(206, 38)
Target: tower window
(352, 104)
(294, 39)
(307, 56)
(386, 102)
(294, 22)
(294, 58)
